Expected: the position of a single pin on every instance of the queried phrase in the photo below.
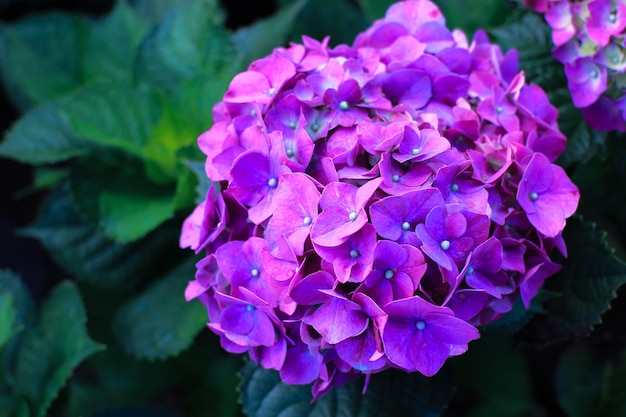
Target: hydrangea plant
(372, 205)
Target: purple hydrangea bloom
(373, 204)
(589, 38)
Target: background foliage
(103, 108)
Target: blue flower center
(415, 151)
(272, 91)
(445, 244)
(533, 196)
(613, 16)
(470, 270)
(344, 105)
(315, 127)
(307, 220)
(499, 109)
(594, 73)
(389, 273)
(354, 253)
(290, 153)
(395, 178)
(406, 226)
(272, 182)
(292, 124)
(454, 188)
(352, 216)
(420, 325)
(250, 307)
(254, 272)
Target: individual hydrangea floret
(372, 205)
(589, 39)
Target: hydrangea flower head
(589, 39)
(374, 204)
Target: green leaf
(157, 10)
(159, 323)
(261, 37)
(86, 253)
(531, 36)
(187, 114)
(391, 393)
(518, 317)
(8, 327)
(115, 195)
(112, 45)
(471, 15)
(375, 9)
(203, 181)
(339, 19)
(583, 143)
(40, 57)
(114, 115)
(498, 378)
(42, 136)
(588, 281)
(22, 305)
(184, 45)
(50, 352)
(588, 386)
(135, 412)
(12, 405)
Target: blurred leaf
(339, 19)
(184, 45)
(115, 115)
(8, 327)
(203, 181)
(40, 57)
(588, 281)
(12, 406)
(518, 317)
(587, 386)
(531, 36)
(115, 195)
(42, 136)
(157, 10)
(50, 352)
(471, 15)
(116, 379)
(391, 393)
(583, 143)
(85, 253)
(261, 37)
(159, 323)
(11, 285)
(113, 43)
(44, 178)
(135, 412)
(375, 9)
(498, 375)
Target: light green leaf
(40, 57)
(114, 115)
(43, 136)
(87, 254)
(50, 352)
(391, 394)
(114, 194)
(588, 281)
(112, 45)
(186, 115)
(159, 323)
(261, 37)
(184, 45)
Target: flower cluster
(372, 204)
(590, 39)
